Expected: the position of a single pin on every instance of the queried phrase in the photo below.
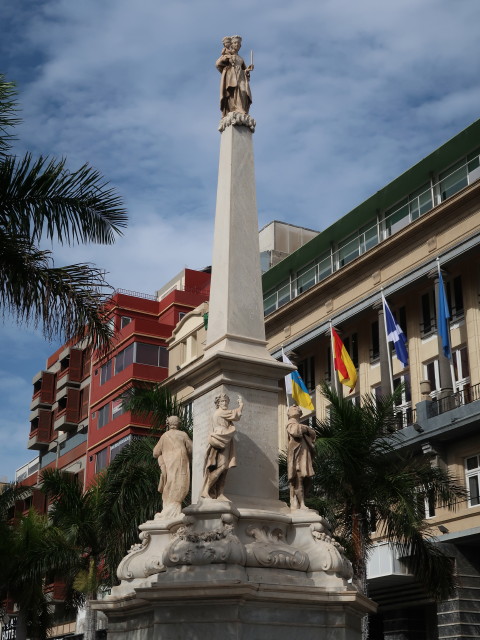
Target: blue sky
(347, 95)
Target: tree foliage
(365, 482)
(40, 199)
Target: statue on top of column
(235, 93)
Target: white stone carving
(237, 119)
(270, 549)
(211, 546)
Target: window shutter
(47, 392)
(75, 365)
(44, 425)
(84, 402)
(73, 405)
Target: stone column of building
(384, 353)
(404, 624)
(459, 616)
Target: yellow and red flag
(347, 374)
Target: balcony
(70, 373)
(43, 390)
(40, 430)
(27, 474)
(66, 420)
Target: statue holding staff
(300, 453)
(235, 92)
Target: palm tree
(362, 475)
(41, 200)
(76, 514)
(30, 548)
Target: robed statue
(173, 452)
(235, 92)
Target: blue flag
(395, 335)
(443, 317)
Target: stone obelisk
(237, 563)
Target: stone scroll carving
(269, 549)
(212, 546)
(235, 94)
(220, 455)
(140, 561)
(173, 452)
(328, 554)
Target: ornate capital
(237, 119)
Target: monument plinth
(238, 563)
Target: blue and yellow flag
(300, 393)
(295, 387)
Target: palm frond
(41, 198)
(8, 119)
(155, 404)
(128, 497)
(66, 301)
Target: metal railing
(454, 400)
(135, 294)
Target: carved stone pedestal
(223, 572)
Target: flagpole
(286, 392)
(452, 370)
(334, 378)
(389, 356)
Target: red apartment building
(76, 420)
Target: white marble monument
(238, 563)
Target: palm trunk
(21, 630)
(360, 564)
(90, 619)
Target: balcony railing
(454, 400)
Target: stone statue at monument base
(173, 452)
(220, 455)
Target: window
(454, 179)
(428, 324)
(124, 359)
(116, 447)
(351, 345)
(368, 237)
(461, 372)
(106, 372)
(324, 267)
(306, 278)
(101, 460)
(348, 250)
(147, 354)
(472, 475)
(306, 369)
(455, 297)
(403, 404)
(117, 407)
(181, 314)
(103, 416)
(432, 374)
(124, 320)
(151, 354)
